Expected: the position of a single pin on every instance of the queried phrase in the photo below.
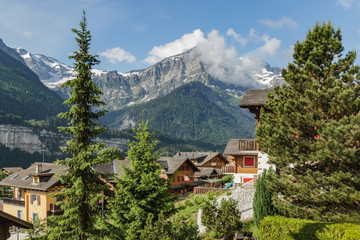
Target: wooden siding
(184, 170)
(219, 163)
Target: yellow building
(32, 187)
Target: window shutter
(38, 199)
(31, 198)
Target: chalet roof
(23, 178)
(12, 169)
(174, 163)
(112, 168)
(255, 97)
(207, 172)
(5, 217)
(233, 148)
(200, 157)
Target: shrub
(289, 228)
(263, 199)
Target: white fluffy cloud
(242, 40)
(223, 62)
(186, 42)
(118, 54)
(345, 3)
(270, 47)
(284, 21)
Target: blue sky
(130, 35)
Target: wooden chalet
(247, 161)
(181, 171)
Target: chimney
(38, 169)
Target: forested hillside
(23, 94)
(191, 112)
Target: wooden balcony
(55, 210)
(248, 145)
(14, 201)
(228, 169)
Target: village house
(181, 171)
(9, 170)
(32, 187)
(246, 159)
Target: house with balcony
(32, 187)
(246, 159)
(181, 171)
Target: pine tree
(310, 129)
(140, 191)
(263, 199)
(83, 192)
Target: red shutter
(38, 199)
(249, 161)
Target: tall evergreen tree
(263, 198)
(81, 196)
(310, 129)
(141, 193)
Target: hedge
(280, 228)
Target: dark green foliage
(23, 94)
(165, 229)
(20, 158)
(2, 175)
(80, 199)
(299, 229)
(263, 199)
(311, 130)
(228, 178)
(191, 112)
(223, 220)
(140, 193)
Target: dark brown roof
(200, 157)
(255, 97)
(173, 164)
(206, 172)
(23, 178)
(12, 169)
(5, 217)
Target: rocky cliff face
(31, 140)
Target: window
(19, 194)
(213, 164)
(35, 199)
(35, 218)
(178, 178)
(20, 214)
(249, 161)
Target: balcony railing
(248, 145)
(14, 201)
(203, 190)
(55, 210)
(228, 169)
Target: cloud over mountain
(118, 54)
(186, 42)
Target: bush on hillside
(275, 227)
